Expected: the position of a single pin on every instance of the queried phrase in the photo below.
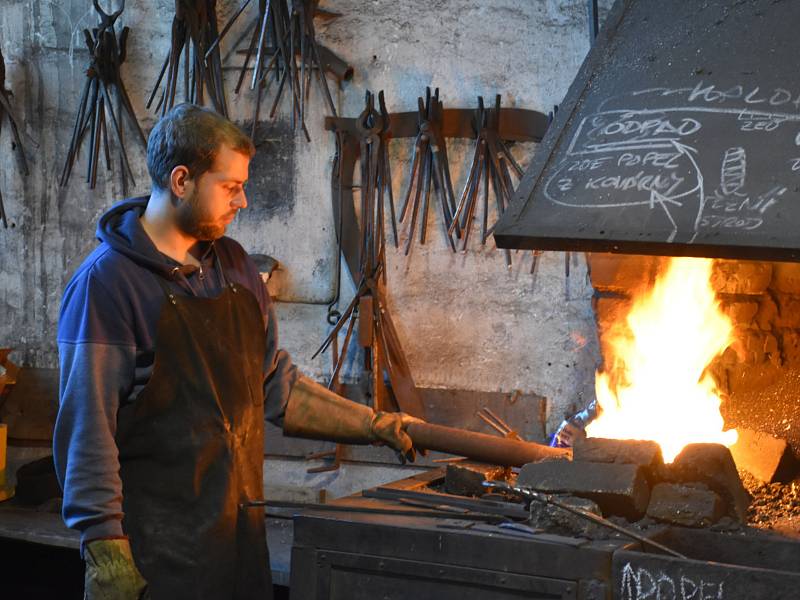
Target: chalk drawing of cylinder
(734, 170)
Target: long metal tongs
(194, 32)
(492, 163)
(362, 242)
(550, 499)
(429, 165)
(374, 134)
(102, 77)
(282, 32)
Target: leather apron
(191, 449)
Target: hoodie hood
(121, 229)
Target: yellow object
(111, 573)
(6, 491)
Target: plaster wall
(465, 321)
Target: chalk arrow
(656, 198)
(689, 152)
(683, 148)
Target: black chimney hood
(680, 136)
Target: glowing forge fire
(656, 388)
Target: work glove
(390, 429)
(111, 573)
(315, 412)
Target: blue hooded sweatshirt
(106, 343)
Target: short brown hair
(191, 135)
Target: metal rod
(259, 53)
(497, 419)
(492, 424)
(226, 28)
(246, 63)
(549, 499)
(432, 514)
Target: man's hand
(315, 412)
(390, 428)
(111, 573)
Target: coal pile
(628, 483)
(772, 502)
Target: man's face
(213, 199)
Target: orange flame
(657, 388)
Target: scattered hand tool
(436, 499)
(102, 76)
(284, 30)
(552, 500)
(429, 165)
(194, 31)
(7, 110)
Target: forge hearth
(757, 376)
(376, 545)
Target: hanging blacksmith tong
(283, 31)
(362, 243)
(194, 31)
(7, 110)
(103, 75)
(371, 146)
(429, 166)
(493, 163)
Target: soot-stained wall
(465, 320)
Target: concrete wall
(466, 322)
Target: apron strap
(223, 280)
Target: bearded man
(169, 364)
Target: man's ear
(180, 181)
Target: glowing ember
(655, 387)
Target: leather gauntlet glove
(111, 573)
(315, 412)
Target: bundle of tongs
(102, 76)
(283, 32)
(429, 165)
(375, 334)
(194, 34)
(493, 163)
